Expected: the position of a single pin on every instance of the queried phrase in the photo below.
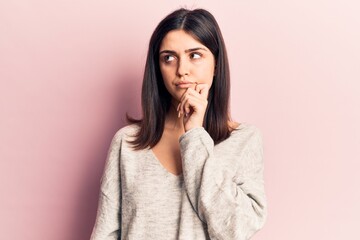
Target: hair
(156, 100)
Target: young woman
(185, 170)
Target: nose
(183, 68)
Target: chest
(167, 152)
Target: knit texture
(219, 195)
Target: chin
(176, 95)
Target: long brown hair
(156, 100)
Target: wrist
(189, 127)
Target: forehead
(179, 40)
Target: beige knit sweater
(220, 194)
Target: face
(184, 61)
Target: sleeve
(108, 219)
(233, 206)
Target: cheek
(163, 72)
(206, 73)
(168, 77)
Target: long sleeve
(108, 219)
(231, 202)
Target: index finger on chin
(202, 89)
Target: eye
(168, 58)
(196, 55)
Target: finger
(191, 103)
(181, 103)
(189, 92)
(184, 108)
(203, 89)
(178, 108)
(194, 86)
(195, 94)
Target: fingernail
(179, 114)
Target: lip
(184, 84)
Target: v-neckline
(155, 158)
(180, 176)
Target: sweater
(219, 195)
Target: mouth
(185, 84)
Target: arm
(108, 219)
(233, 207)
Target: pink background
(70, 70)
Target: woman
(185, 170)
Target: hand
(193, 106)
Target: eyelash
(165, 58)
(191, 54)
(197, 54)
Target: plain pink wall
(70, 70)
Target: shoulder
(246, 133)
(247, 143)
(125, 133)
(246, 128)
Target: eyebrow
(186, 51)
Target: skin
(187, 67)
(183, 59)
